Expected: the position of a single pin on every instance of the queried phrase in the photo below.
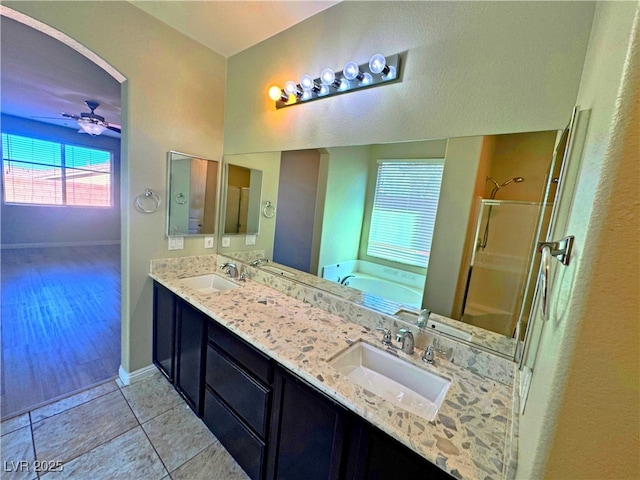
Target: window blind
(41, 172)
(404, 210)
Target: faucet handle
(386, 337)
(428, 355)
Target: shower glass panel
(504, 243)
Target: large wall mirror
(243, 191)
(192, 194)
(493, 204)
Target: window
(404, 210)
(40, 172)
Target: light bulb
(275, 94)
(308, 84)
(292, 89)
(324, 90)
(378, 65)
(328, 78)
(367, 79)
(352, 71)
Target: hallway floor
(60, 322)
(144, 431)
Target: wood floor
(60, 326)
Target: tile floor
(144, 431)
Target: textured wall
(582, 415)
(470, 68)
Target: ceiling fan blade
(113, 127)
(51, 118)
(70, 115)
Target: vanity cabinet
(276, 425)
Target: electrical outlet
(208, 242)
(250, 240)
(176, 243)
(226, 242)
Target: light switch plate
(208, 242)
(226, 242)
(250, 240)
(176, 243)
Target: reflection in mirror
(514, 169)
(242, 200)
(192, 195)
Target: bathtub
(391, 283)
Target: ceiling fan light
(91, 128)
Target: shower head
(499, 186)
(514, 179)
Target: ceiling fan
(90, 122)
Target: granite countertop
(471, 435)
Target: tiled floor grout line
(70, 408)
(144, 431)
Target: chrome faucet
(344, 280)
(423, 318)
(405, 336)
(230, 269)
(258, 261)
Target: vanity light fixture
(379, 70)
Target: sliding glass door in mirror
(192, 195)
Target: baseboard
(97, 243)
(128, 378)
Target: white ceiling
(228, 27)
(41, 77)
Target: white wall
(173, 99)
(32, 225)
(582, 418)
(469, 68)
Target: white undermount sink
(209, 283)
(397, 381)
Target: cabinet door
(307, 432)
(164, 330)
(375, 455)
(190, 354)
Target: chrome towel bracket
(561, 249)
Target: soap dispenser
(423, 318)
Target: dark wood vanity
(276, 425)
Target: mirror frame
(218, 186)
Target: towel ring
(269, 209)
(181, 199)
(146, 198)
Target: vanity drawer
(247, 449)
(244, 354)
(248, 398)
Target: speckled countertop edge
(470, 436)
